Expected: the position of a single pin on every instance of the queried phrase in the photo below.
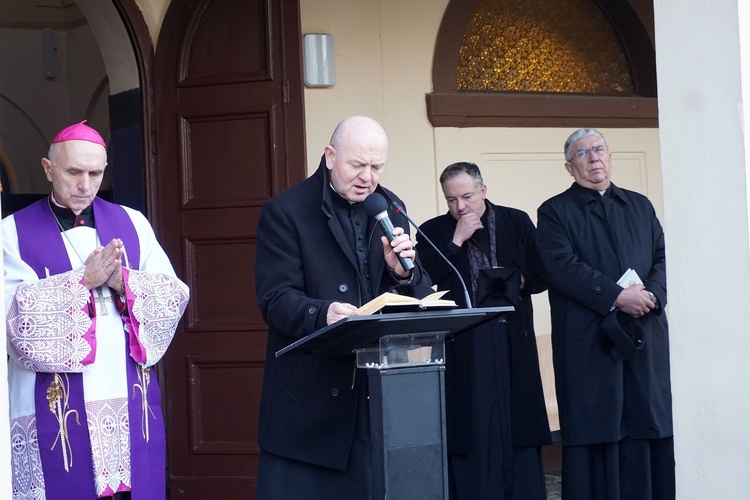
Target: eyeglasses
(598, 150)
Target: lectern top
(359, 332)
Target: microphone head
(375, 204)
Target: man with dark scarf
(496, 415)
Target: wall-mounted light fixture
(320, 70)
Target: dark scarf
(478, 259)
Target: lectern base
(407, 418)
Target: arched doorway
(70, 62)
(199, 169)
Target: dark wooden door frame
(143, 48)
(164, 199)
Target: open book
(392, 302)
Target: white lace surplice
(49, 330)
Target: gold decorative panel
(555, 46)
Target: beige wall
(383, 52)
(383, 56)
(383, 69)
(153, 13)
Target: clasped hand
(635, 301)
(103, 265)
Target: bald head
(356, 157)
(362, 129)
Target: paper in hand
(629, 278)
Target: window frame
(448, 107)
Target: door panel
(228, 135)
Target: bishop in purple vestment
(92, 305)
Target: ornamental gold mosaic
(563, 46)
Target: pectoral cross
(101, 300)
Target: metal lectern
(404, 355)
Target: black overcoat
(586, 243)
(516, 247)
(303, 263)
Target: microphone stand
(400, 209)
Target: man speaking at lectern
(318, 257)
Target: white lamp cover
(320, 70)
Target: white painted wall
(703, 66)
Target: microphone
(400, 209)
(376, 206)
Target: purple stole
(41, 246)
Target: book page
(388, 299)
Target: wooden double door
(228, 134)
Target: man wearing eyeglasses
(603, 249)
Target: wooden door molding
(229, 134)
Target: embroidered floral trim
(158, 307)
(28, 478)
(47, 325)
(110, 443)
(110, 448)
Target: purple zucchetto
(79, 132)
